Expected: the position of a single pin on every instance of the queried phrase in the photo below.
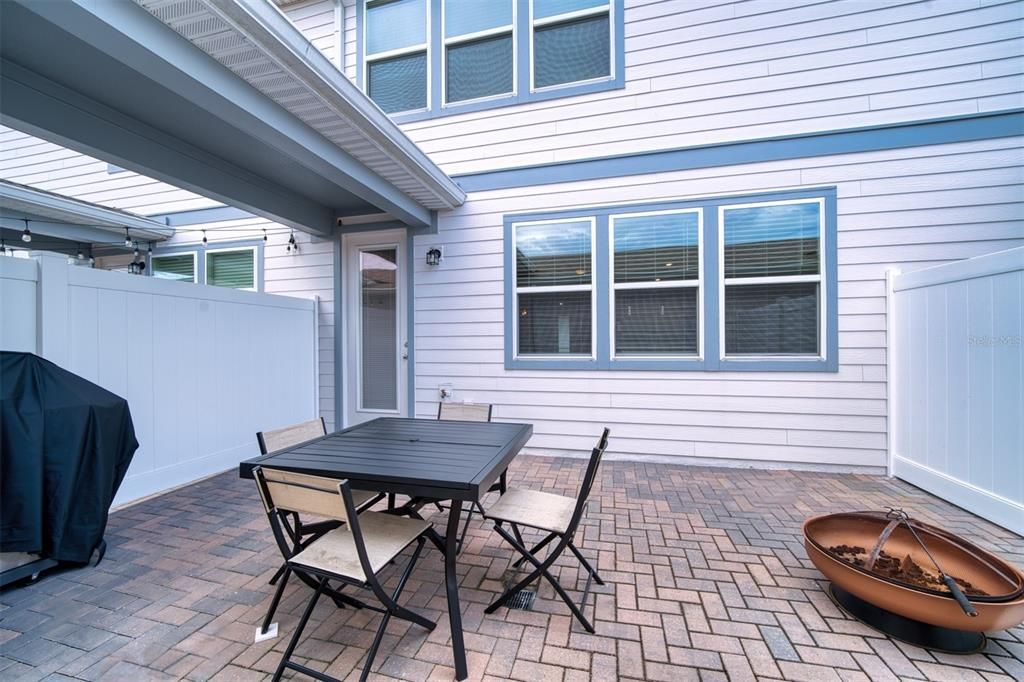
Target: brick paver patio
(707, 579)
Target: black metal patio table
(421, 458)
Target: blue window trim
(199, 250)
(435, 100)
(712, 360)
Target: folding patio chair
(353, 554)
(559, 516)
(298, 534)
(471, 412)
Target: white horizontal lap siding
(348, 8)
(307, 273)
(906, 208)
(317, 21)
(32, 161)
(706, 72)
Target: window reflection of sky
(742, 226)
(558, 239)
(656, 232)
(772, 223)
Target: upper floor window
(397, 51)
(713, 284)
(479, 49)
(425, 58)
(571, 41)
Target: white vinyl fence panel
(203, 368)
(18, 278)
(958, 383)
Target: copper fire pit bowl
(1001, 607)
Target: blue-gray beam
(75, 233)
(49, 110)
(131, 35)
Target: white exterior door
(375, 320)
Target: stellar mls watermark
(988, 340)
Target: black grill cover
(65, 445)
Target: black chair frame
(321, 582)
(500, 486)
(298, 537)
(565, 541)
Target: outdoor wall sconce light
(434, 256)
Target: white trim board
(998, 510)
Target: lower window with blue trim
(743, 283)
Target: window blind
(656, 321)
(399, 83)
(772, 319)
(480, 68)
(656, 260)
(572, 51)
(656, 247)
(553, 255)
(555, 323)
(180, 267)
(550, 8)
(462, 17)
(234, 269)
(772, 241)
(395, 24)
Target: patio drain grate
(523, 600)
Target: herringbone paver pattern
(707, 580)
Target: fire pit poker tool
(954, 589)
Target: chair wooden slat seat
(352, 554)
(464, 412)
(560, 517)
(385, 536)
(533, 508)
(288, 436)
(296, 532)
(471, 412)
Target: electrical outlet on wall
(446, 392)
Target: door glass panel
(378, 269)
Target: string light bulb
(26, 234)
(205, 241)
(80, 255)
(264, 235)
(136, 251)
(292, 246)
(149, 249)
(3, 247)
(127, 239)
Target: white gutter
(61, 209)
(268, 29)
